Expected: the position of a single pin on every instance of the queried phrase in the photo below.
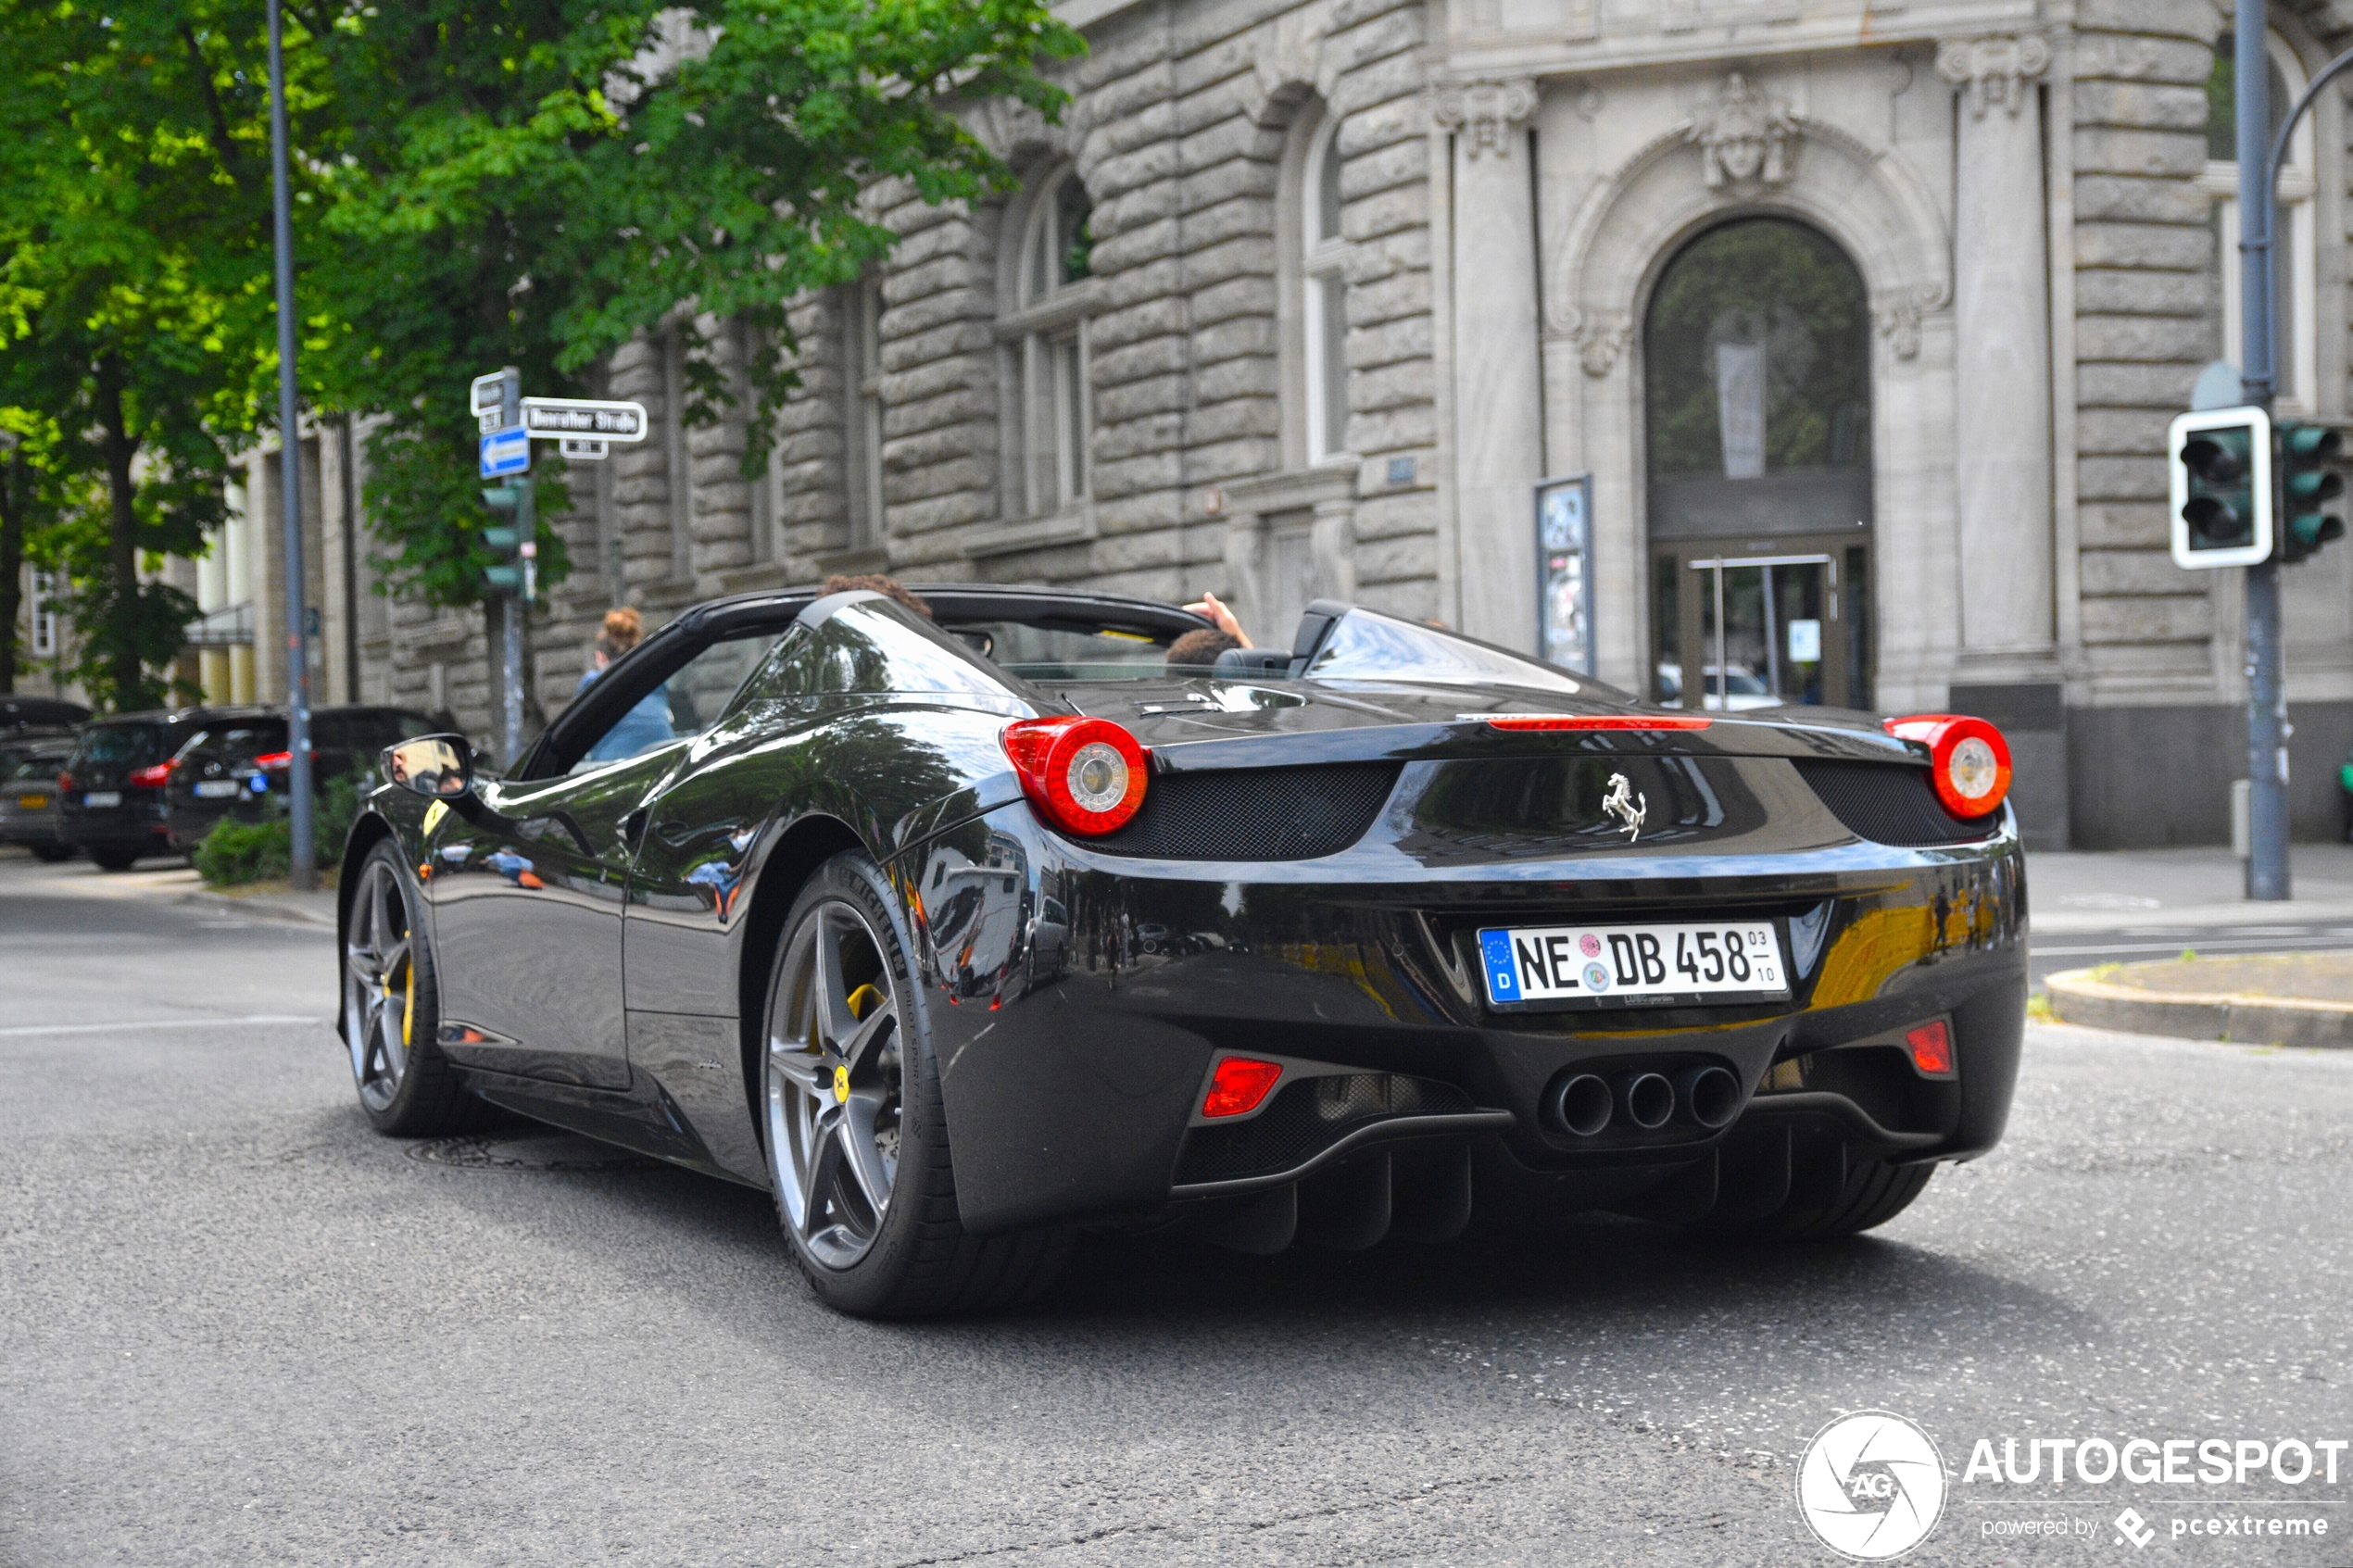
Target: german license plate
(215, 789)
(99, 798)
(1589, 966)
(32, 802)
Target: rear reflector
(1238, 1085)
(1931, 1046)
(1584, 721)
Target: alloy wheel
(379, 984)
(833, 1084)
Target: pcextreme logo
(1871, 1485)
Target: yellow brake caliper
(860, 1000)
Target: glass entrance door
(1739, 631)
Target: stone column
(1497, 425)
(2001, 370)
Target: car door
(527, 883)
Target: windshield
(1369, 646)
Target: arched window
(2295, 353)
(1324, 306)
(1049, 417)
(1756, 369)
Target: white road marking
(161, 1023)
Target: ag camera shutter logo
(1871, 1485)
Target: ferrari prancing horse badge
(1626, 805)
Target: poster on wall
(1564, 573)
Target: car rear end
(1707, 968)
(113, 792)
(30, 812)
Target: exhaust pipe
(1645, 1099)
(1707, 1096)
(1582, 1104)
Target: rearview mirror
(438, 766)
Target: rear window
(119, 746)
(366, 732)
(42, 765)
(240, 742)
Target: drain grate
(532, 1151)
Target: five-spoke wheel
(834, 1073)
(379, 983)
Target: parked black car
(28, 813)
(115, 783)
(959, 934)
(237, 765)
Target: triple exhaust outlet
(1587, 1103)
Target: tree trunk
(15, 500)
(122, 535)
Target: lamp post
(290, 474)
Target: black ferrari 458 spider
(961, 933)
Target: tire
(50, 852)
(392, 1012)
(856, 1137)
(109, 857)
(1873, 1195)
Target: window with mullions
(2295, 352)
(1323, 309)
(863, 409)
(1048, 412)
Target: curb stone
(2077, 997)
(222, 903)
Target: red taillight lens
(274, 760)
(1931, 1046)
(1968, 762)
(155, 777)
(65, 782)
(1083, 775)
(1589, 721)
(1238, 1085)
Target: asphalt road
(236, 1326)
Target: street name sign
(553, 418)
(506, 452)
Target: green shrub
(234, 854)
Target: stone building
(1866, 320)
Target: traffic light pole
(2267, 726)
(508, 604)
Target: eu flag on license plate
(1502, 977)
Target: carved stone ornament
(1993, 70)
(1746, 136)
(1600, 336)
(1898, 314)
(1484, 113)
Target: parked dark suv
(234, 766)
(114, 785)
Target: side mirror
(439, 766)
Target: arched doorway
(1756, 374)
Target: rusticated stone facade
(1356, 275)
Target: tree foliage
(529, 182)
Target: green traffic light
(506, 579)
(2308, 481)
(502, 538)
(502, 497)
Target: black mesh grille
(1308, 1116)
(1254, 813)
(1891, 802)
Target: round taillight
(1083, 775)
(1968, 762)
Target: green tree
(135, 317)
(529, 182)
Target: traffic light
(2221, 463)
(2306, 462)
(513, 544)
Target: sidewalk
(2115, 890)
(175, 883)
(2272, 998)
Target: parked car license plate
(32, 802)
(98, 797)
(215, 789)
(1632, 965)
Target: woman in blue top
(647, 724)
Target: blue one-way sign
(504, 452)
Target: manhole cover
(530, 1151)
